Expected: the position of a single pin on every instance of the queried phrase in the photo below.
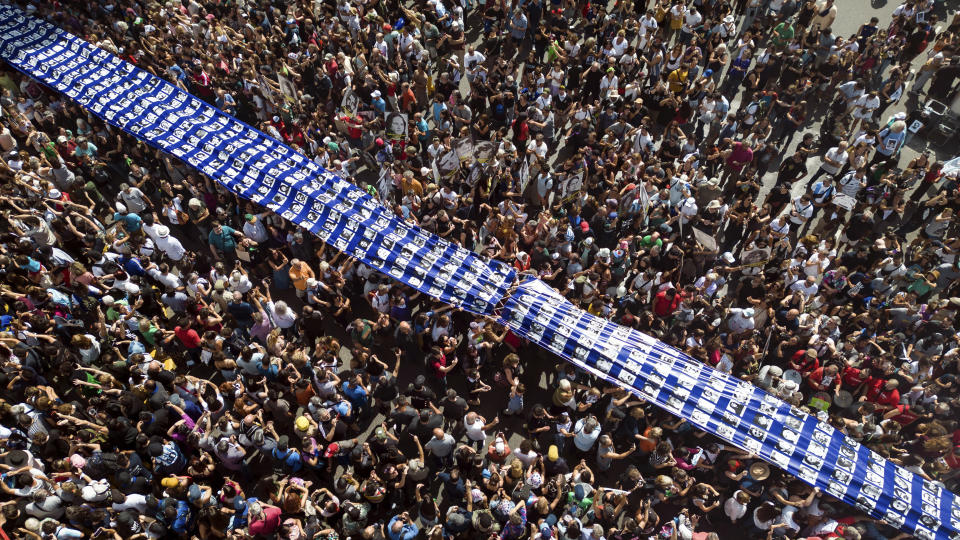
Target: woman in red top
(522, 262)
(666, 302)
(521, 132)
(438, 362)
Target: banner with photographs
(263, 170)
(734, 410)
(250, 164)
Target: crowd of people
(178, 363)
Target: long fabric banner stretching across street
(265, 171)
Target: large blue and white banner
(265, 171)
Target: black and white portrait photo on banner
(288, 89)
(350, 102)
(465, 149)
(476, 171)
(385, 183)
(448, 164)
(571, 185)
(523, 175)
(396, 124)
(484, 151)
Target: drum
(843, 399)
(793, 376)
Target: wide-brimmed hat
(759, 471)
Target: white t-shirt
(688, 209)
(133, 200)
(835, 154)
(583, 440)
(473, 60)
(864, 106)
(807, 290)
(738, 322)
(539, 149)
(167, 280)
(850, 184)
(284, 320)
(171, 247)
(474, 430)
(733, 508)
(804, 210)
(691, 20)
(135, 501)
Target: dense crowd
(178, 363)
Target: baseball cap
(332, 450)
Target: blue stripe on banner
(253, 165)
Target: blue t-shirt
(181, 524)
(268, 370)
(133, 267)
(131, 222)
(291, 458)
(356, 395)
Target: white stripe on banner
(265, 171)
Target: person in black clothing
(454, 407)
(403, 415)
(420, 395)
(861, 225)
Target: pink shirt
(740, 157)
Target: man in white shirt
(169, 245)
(833, 161)
(740, 320)
(801, 212)
(687, 210)
(648, 22)
(475, 427)
(133, 199)
(471, 60)
(851, 91)
(808, 287)
(863, 109)
(736, 507)
(161, 273)
(538, 147)
(691, 20)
